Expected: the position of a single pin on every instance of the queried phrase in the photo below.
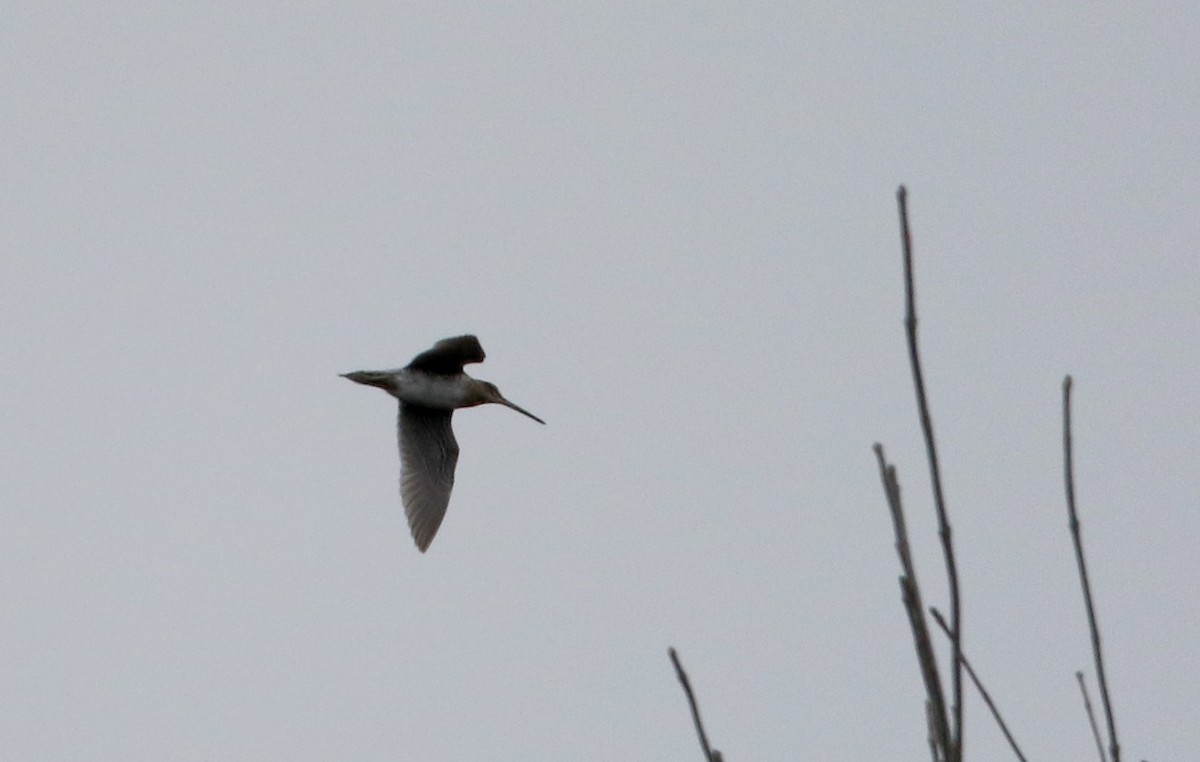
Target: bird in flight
(429, 389)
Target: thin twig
(710, 754)
(910, 593)
(987, 699)
(1087, 705)
(910, 322)
(1114, 748)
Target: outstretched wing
(428, 454)
(448, 356)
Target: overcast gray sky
(673, 228)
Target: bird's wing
(448, 356)
(428, 454)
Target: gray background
(673, 228)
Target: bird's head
(484, 392)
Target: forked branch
(987, 699)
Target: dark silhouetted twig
(710, 754)
(954, 750)
(1087, 705)
(1114, 748)
(910, 593)
(987, 699)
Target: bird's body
(419, 388)
(430, 389)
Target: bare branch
(910, 593)
(710, 754)
(987, 699)
(1087, 705)
(954, 751)
(1069, 475)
